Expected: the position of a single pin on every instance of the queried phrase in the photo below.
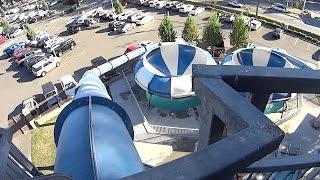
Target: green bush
(118, 6)
(190, 31)
(31, 34)
(166, 30)
(6, 26)
(71, 9)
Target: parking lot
(98, 41)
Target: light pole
(112, 4)
(304, 5)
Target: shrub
(166, 31)
(31, 34)
(190, 31)
(212, 34)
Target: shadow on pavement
(269, 37)
(311, 21)
(13, 67)
(65, 33)
(15, 112)
(105, 30)
(114, 33)
(51, 167)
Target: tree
(45, 5)
(31, 34)
(298, 4)
(247, 10)
(214, 2)
(6, 27)
(166, 31)
(239, 35)
(3, 13)
(190, 31)
(212, 34)
(118, 6)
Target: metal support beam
(260, 100)
(263, 79)
(5, 142)
(285, 164)
(254, 135)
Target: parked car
(52, 42)
(254, 24)
(28, 55)
(144, 20)
(186, 8)
(235, 4)
(146, 3)
(12, 18)
(68, 85)
(160, 4)
(170, 4)
(132, 47)
(39, 36)
(142, 2)
(13, 11)
(23, 17)
(3, 39)
(30, 107)
(32, 60)
(30, 7)
(15, 32)
(229, 18)
(278, 33)
(43, 67)
(32, 20)
(177, 6)
(52, 3)
(279, 7)
(76, 25)
(135, 17)
(197, 10)
(20, 52)
(124, 15)
(69, 44)
(42, 41)
(152, 3)
(7, 52)
(50, 93)
(42, 13)
(126, 27)
(115, 24)
(113, 16)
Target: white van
(43, 67)
(254, 24)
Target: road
(309, 24)
(97, 42)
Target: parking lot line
(308, 47)
(284, 36)
(296, 41)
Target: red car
(132, 47)
(20, 52)
(2, 39)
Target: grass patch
(43, 149)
